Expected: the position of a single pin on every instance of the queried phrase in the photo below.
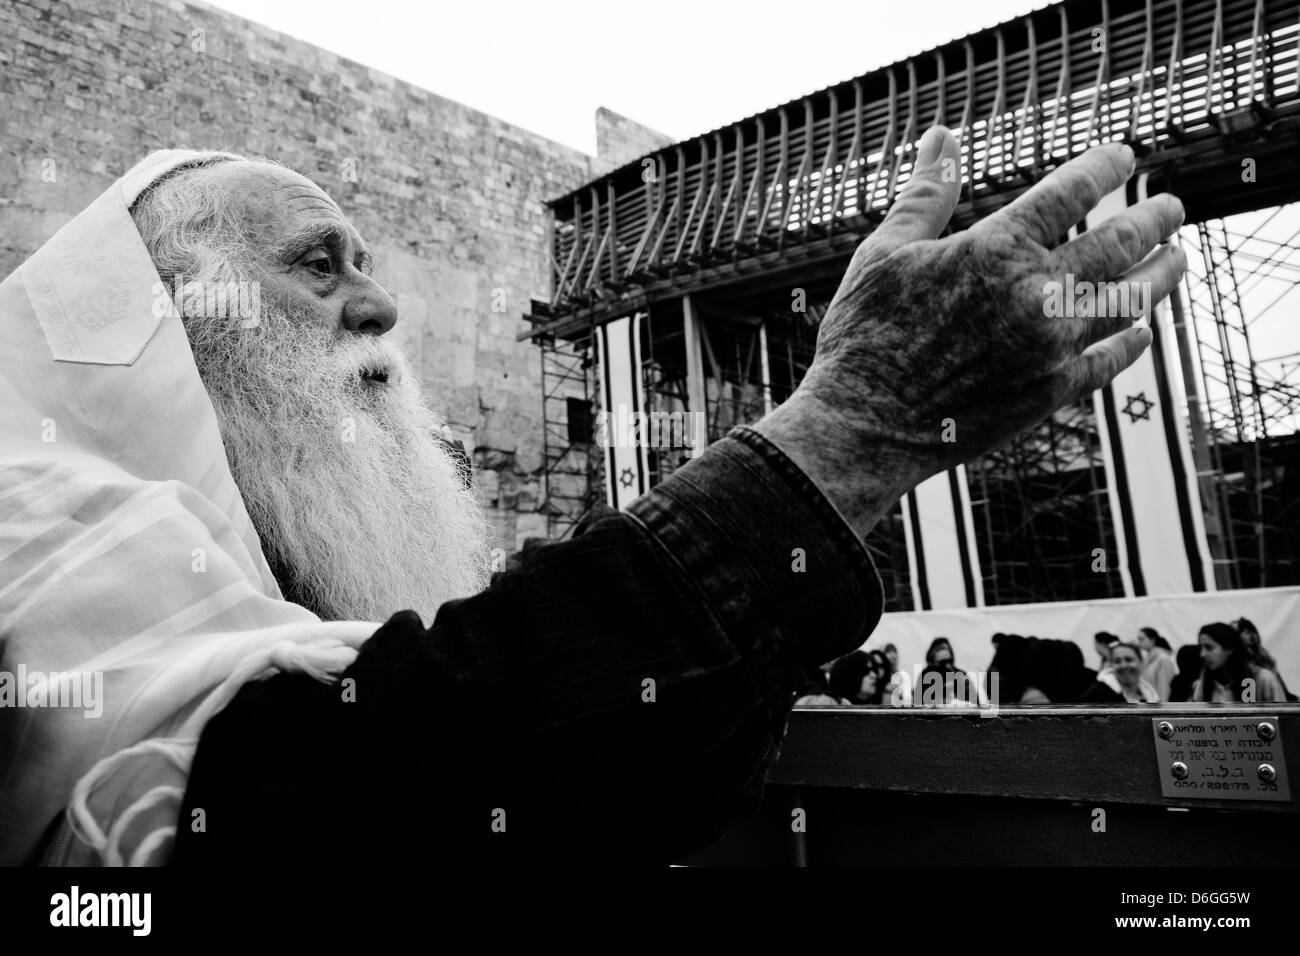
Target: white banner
(1178, 618)
(940, 533)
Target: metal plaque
(1221, 758)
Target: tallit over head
(128, 563)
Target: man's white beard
(343, 479)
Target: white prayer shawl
(126, 553)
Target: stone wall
(620, 140)
(451, 200)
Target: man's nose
(371, 311)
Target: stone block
(529, 496)
(487, 483)
(529, 526)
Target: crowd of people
(1228, 663)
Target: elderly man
(228, 500)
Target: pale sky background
(682, 67)
(679, 66)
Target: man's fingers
(1121, 241)
(1115, 305)
(925, 205)
(1065, 197)
(1083, 332)
(1160, 274)
(1100, 363)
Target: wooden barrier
(891, 787)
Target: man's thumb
(926, 202)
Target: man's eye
(321, 264)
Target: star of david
(1138, 406)
(626, 478)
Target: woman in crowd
(898, 692)
(1104, 641)
(1258, 653)
(1229, 673)
(1160, 668)
(1254, 645)
(1123, 682)
(880, 664)
(1039, 670)
(855, 679)
(1060, 673)
(942, 683)
(1011, 664)
(1189, 672)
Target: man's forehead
(282, 199)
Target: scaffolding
(1040, 512)
(1246, 406)
(664, 380)
(737, 219)
(573, 468)
(1039, 502)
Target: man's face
(308, 257)
(326, 431)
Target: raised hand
(934, 351)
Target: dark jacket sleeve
(619, 696)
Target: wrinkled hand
(935, 351)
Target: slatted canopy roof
(782, 198)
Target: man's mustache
(343, 358)
(368, 352)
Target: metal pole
(1205, 474)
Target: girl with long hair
(1228, 671)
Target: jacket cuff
(793, 584)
